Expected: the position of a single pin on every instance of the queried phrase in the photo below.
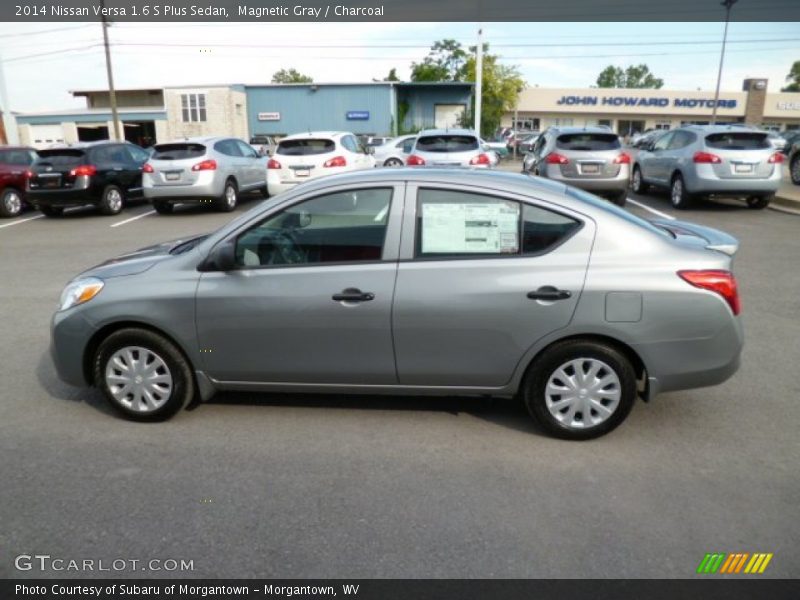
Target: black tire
(678, 196)
(557, 356)
(619, 198)
(10, 203)
(163, 208)
(638, 186)
(264, 190)
(51, 211)
(393, 162)
(759, 202)
(179, 369)
(794, 169)
(111, 201)
(225, 203)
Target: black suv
(104, 174)
(793, 153)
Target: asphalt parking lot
(334, 486)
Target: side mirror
(221, 258)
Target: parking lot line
(18, 221)
(652, 210)
(118, 223)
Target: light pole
(728, 4)
(479, 82)
(112, 94)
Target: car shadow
(720, 205)
(48, 379)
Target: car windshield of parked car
(738, 140)
(305, 147)
(178, 151)
(62, 157)
(17, 157)
(588, 141)
(447, 143)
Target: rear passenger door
(482, 277)
(253, 165)
(654, 162)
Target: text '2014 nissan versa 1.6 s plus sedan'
(414, 281)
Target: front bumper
(70, 333)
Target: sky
(42, 62)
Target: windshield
(447, 143)
(306, 147)
(61, 157)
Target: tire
(10, 203)
(112, 201)
(51, 211)
(638, 186)
(230, 196)
(131, 347)
(678, 196)
(264, 191)
(562, 359)
(393, 162)
(619, 198)
(163, 208)
(794, 169)
(759, 202)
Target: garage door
(447, 116)
(44, 136)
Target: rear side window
(178, 151)
(17, 157)
(62, 157)
(447, 143)
(307, 147)
(738, 140)
(588, 141)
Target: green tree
(794, 78)
(445, 62)
(290, 76)
(392, 76)
(635, 76)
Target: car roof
(460, 131)
(207, 139)
(723, 128)
(589, 129)
(17, 148)
(316, 134)
(87, 145)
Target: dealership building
(628, 111)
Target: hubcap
(583, 393)
(230, 195)
(114, 200)
(13, 202)
(138, 379)
(677, 191)
(393, 162)
(637, 180)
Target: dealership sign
(269, 116)
(358, 115)
(788, 105)
(650, 102)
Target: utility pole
(112, 94)
(728, 4)
(8, 125)
(479, 82)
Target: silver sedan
(414, 282)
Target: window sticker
(470, 228)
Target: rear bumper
(592, 184)
(703, 181)
(71, 197)
(201, 190)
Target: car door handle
(548, 292)
(353, 295)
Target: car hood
(700, 235)
(140, 260)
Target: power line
(14, 35)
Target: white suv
(305, 156)
(449, 148)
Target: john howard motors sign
(641, 101)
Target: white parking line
(652, 210)
(118, 223)
(18, 221)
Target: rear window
(738, 140)
(588, 141)
(178, 151)
(62, 157)
(17, 157)
(447, 143)
(307, 147)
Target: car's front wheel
(230, 196)
(638, 186)
(678, 195)
(143, 375)
(10, 203)
(580, 389)
(111, 201)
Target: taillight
(481, 159)
(29, 175)
(776, 159)
(623, 159)
(273, 164)
(206, 165)
(336, 161)
(706, 158)
(415, 161)
(721, 282)
(83, 170)
(554, 158)
(147, 168)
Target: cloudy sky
(43, 61)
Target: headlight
(79, 292)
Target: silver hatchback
(449, 148)
(414, 282)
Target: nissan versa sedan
(413, 282)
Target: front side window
(193, 107)
(463, 224)
(663, 142)
(343, 227)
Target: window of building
(193, 107)
(664, 125)
(563, 122)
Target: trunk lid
(701, 236)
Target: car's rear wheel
(229, 198)
(638, 186)
(111, 202)
(393, 162)
(619, 198)
(163, 208)
(794, 170)
(51, 211)
(143, 375)
(580, 389)
(759, 202)
(678, 195)
(10, 203)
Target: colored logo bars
(740, 562)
